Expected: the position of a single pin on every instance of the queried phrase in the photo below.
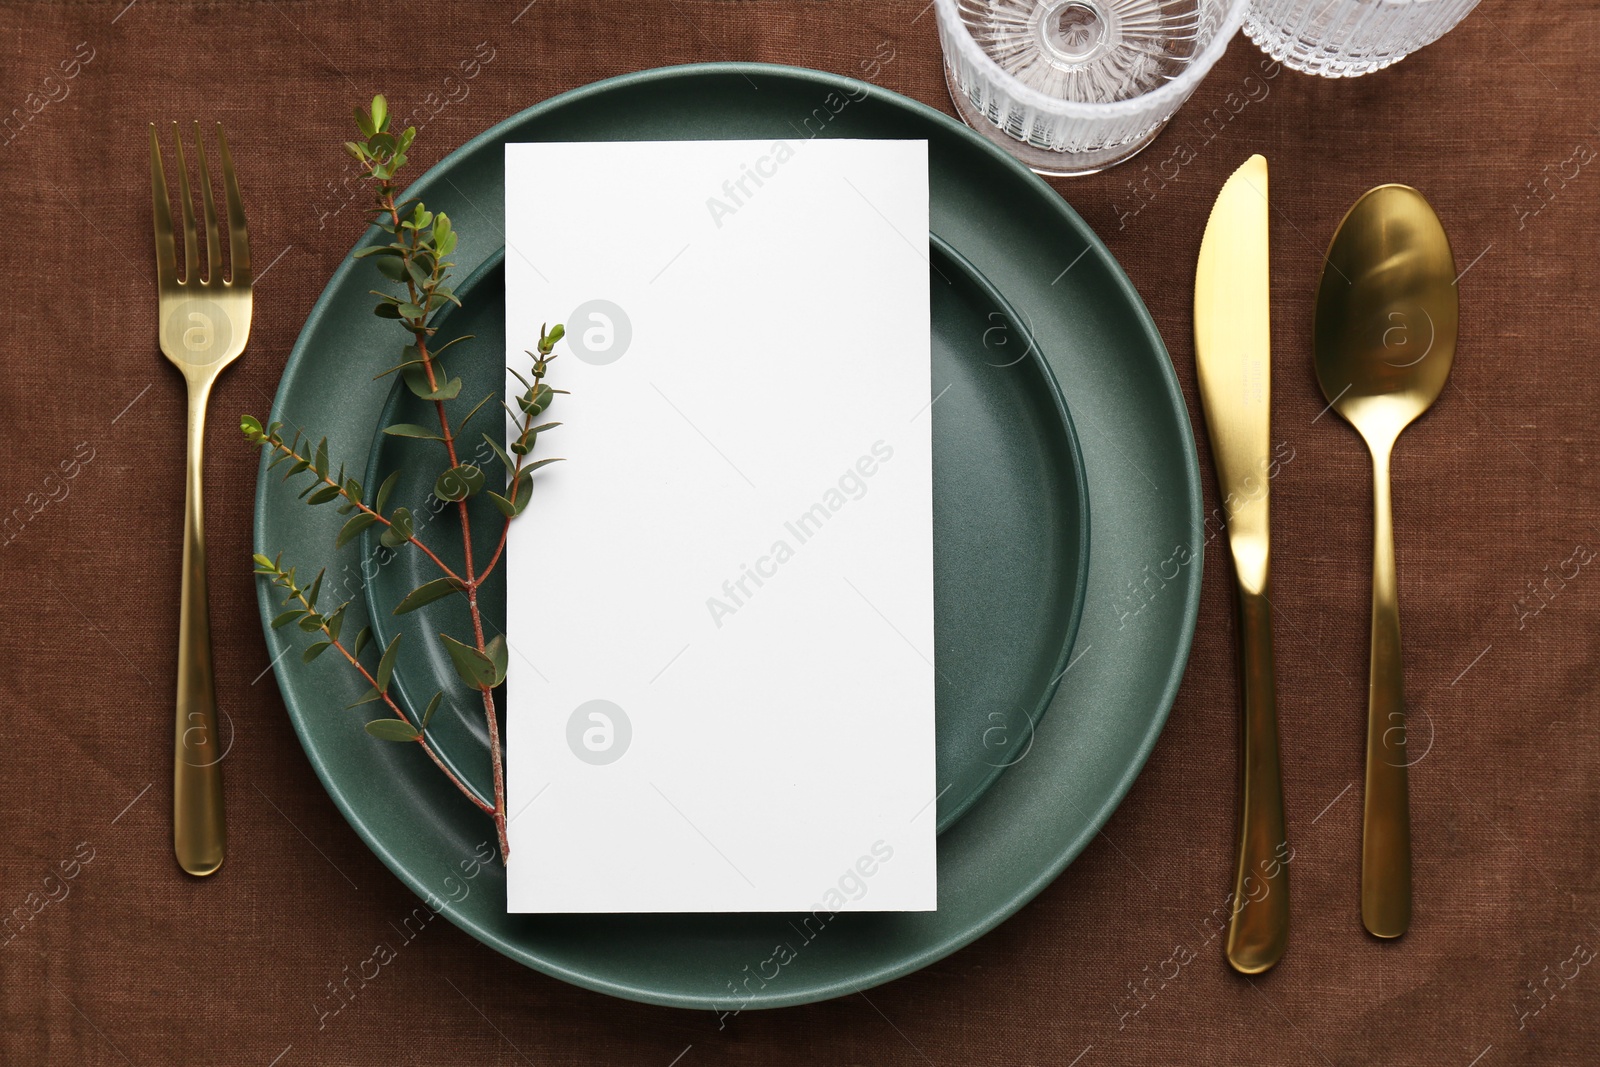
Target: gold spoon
(1385, 338)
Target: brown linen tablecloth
(111, 956)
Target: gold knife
(1233, 353)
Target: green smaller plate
(1010, 518)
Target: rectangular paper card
(720, 605)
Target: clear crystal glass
(1074, 86)
(1348, 38)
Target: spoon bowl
(1386, 312)
(1385, 337)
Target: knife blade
(1233, 354)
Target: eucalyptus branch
(414, 253)
(399, 728)
(534, 401)
(400, 523)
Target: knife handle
(1259, 931)
(1386, 816)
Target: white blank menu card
(720, 604)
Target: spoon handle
(1386, 821)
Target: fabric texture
(111, 956)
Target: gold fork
(204, 323)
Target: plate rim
(1094, 821)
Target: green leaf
(398, 366)
(427, 593)
(529, 468)
(366, 698)
(316, 587)
(459, 482)
(496, 651)
(392, 730)
(399, 531)
(416, 377)
(535, 405)
(437, 352)
(287, 617)
(410, 311)
(352, 529)
(392, 267)
(320, 463)
(316, 650)
(384, 490)
(264, 565)
(410, 429)
(323, 495)
(462, 425)
(498, 451)
(336, 621)
(386, 664)
(364, 123)
(507, 508)
(380, 113)
(433, 706)
(377, 250)
(361, 640)
(474, 668)
(521, 490)
(250, 426)
(387, 311)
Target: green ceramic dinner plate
(1076, 310)
(1010, 532)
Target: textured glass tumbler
(1074, 86)
(1348, 38)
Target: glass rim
(1177, 90)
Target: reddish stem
(286, 450)
(420, 331)
(505, 528)
(400, 714)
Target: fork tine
(191, 246)
(238, 235)
(213, 235)
(161, 211)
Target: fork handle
(198, 830)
